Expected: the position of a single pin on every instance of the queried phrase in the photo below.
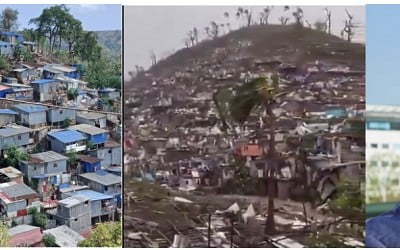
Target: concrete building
(58, 116)
(74, 212)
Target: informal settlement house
(103, 182)
(110, 154)
(75, 213)
(102, 206)
(44, 169)
(7, 117)
(96, 136)
(65, 141)
(10, 174)
(64, 236)
(44, 90)
(15, 199)
(57, 116)
(15, 135)
(25, 236)
(92, 118)
(32, 116)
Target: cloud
(87, 7)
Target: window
(55, 165)
(379, 125)
(385, 163)
(86, 202)
(76, 219)
(110, 151)
(34, 168)
(19, 137)
(374, 145)
(61, 111)
(395, 164)
(385, 146)
(105, 188)
(374, 163)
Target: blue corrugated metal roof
(10, 33)
(92, 195)
(4, 43)
(67, 136)
(8, 112)
(29, 108)
(42, 81)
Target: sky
(165, 31)
(383, 53)
(93, 17)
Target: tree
(8, 19)
(214, 29)
(72, 160)
(4, 64)
(328, 22)
(39, 220)
(261, 92)
(239, 14)
(72, 94)
(72, 33)
(283, 20)
(87, 47)
(104, 73)
(248, 16)
(49, 240)
(5, 238)
(51, 23)
(153, 57)
(107, 234)
(348, 28)
(13, 156)
(267, 12)
(298, 15)
(66, 123)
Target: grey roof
(17, 190)
(48, 156)
(10, 172)
(88, 129)
(92, 115)
(21, 229)
(65, 236)
(73, 201)
(14, 130)
(105, 179)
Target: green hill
(110, 40)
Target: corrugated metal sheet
(67, 136)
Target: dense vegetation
(62, 38)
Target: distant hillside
(284, 42)
(110, 40)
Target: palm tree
(239, 14)
(196, 35)
(214, 29)
(207, 29)
(222, 25)
(298, 15)
(267, 12)
(226, 15)
(263, 93)
(248, 17)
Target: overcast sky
(163, 29)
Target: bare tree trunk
(271, 159)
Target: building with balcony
(66, 141)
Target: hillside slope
(110, 40)
(286, 43)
